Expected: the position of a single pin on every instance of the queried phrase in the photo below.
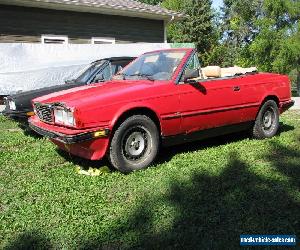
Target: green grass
(198, 195)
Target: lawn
(198, 195)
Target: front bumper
(85, 144)
(66, 139)
(23, 115)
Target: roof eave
(77, 7)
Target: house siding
(24, 24)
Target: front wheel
(134, 144)
(267, 121)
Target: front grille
(44, 112)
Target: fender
(131, 106)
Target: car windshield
(84, 75)
(152, 66)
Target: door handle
(236, 88)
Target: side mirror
(190, 74)
(99, 78)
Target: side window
(113, 69)
(192, 64)
(119, 68)
(107, 73)
(103, 75)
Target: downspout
(165, 27)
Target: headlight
(64, 117)
(12, 105)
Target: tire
(134, 145)
(267, 121)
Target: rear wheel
(267, 121)
(134, 144)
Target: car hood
(100, 93)
(23, 100)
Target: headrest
(212, 71)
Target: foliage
(175, 29)
(203, 194)
(198, 27)
(263, 33)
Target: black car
(19, 106)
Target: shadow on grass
(208, 212)
(284, 128)
(84, 163)
(30, 240)
(212, 211)
(167, 153)
(286, 161)
(27, 130)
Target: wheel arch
(257, 130)
(270, 97)
(138, 110)
(267, 98)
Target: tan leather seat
(211, 72)
(231, 71)
(217, 72)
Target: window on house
(103, 40)
(54, 39)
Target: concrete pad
(297, 103)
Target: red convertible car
(162, 98)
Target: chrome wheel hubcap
(267, 120)
(135, 144)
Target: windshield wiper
(149, 77)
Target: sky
(217, 3)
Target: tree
(197, 28)
(276, 47)
(263, 33)
(237, 28)
(175, 29)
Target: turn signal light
(31, 113)
(101, 133)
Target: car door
(208, 103)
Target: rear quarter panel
(256, 88)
